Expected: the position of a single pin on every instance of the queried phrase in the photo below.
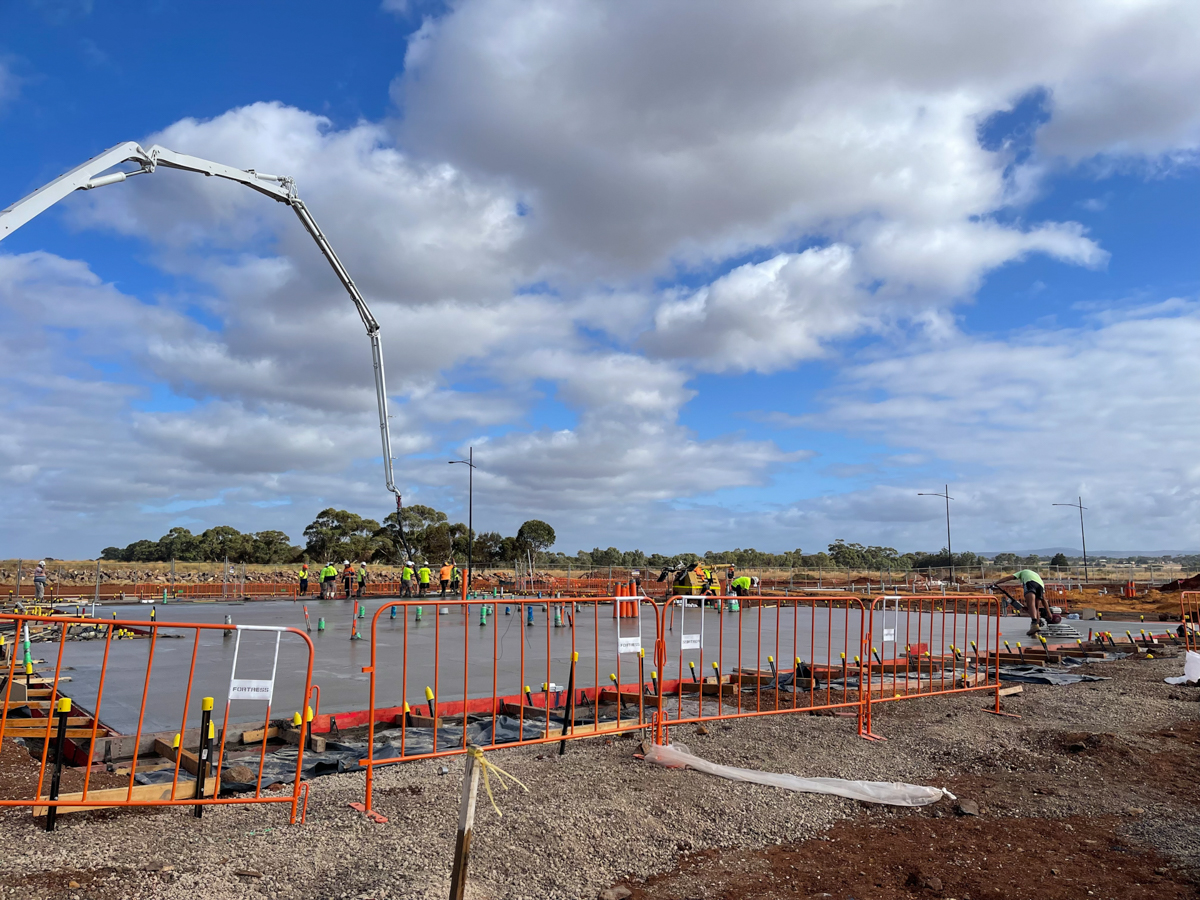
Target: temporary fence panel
(723, 659)
(921, 646)
(1189, 616)
(122, 666)
(500, 673)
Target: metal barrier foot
(1000, 712)
(369, 813)
(871, 736)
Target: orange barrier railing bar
(113, 628)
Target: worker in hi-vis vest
(423, 579)
(740, 586)
(406, 578)
(328, 580)
(303, 575)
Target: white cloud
(598, 205)
(1038, 419)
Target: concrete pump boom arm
(278, 187)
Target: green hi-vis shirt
(1029, 575)
(743, 583)
(406, 574)
(423, 574)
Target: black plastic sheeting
(1041, 675)
(347, 756)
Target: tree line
(337, 534)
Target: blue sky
(677, 296)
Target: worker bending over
(740, 586)
(1035, 598)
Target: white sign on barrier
(889, 635)
(629, 644)
(689, 642)
(251, 689)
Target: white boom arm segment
(279, 187)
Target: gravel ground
(597, 814)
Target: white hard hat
(42, 563)
(345, 562)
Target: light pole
(949, 551)
(1083, 537)
(469, 462)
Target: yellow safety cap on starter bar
(175, 742)
(574, 657)
(206, 704)
(28, 668)
(308, 714)
(407, 708)
(428, 692)
(296, 719)
(64, 704)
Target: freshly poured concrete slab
(454, 654)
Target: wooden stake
(466, 822)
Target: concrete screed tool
(279, 187)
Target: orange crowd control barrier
(484, 673)
(921, 646)
(169, 687)
(784, 655)
(1189, 615)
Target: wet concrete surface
(448, 652)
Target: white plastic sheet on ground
(893, 793)
(1191, 669)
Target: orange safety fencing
(782, 655)
(1189, 615)
(129, 660)
(923, 646)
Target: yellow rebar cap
(206, 704)
(64, 704)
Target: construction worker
(328, 580)
(730, 573)
(740, 586)
(39, 581)
(455, 580)
(1035, 598)
(348, 577)
(444, 575)
(423, 580)
(406, 578)
(303, 575)
(362, 580)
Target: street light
(470, 463)
(949, 552)
(1083, 537)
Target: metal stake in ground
(60, 740)
(569, 710)
(466, 822)
(203, 752)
